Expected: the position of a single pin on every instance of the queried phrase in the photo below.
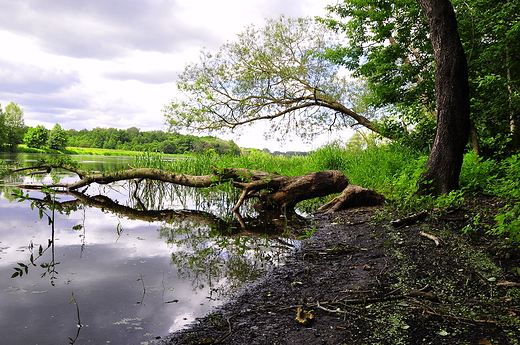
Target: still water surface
(125, 280)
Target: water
(108, 272)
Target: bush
(36, 137)
(478, 176)
(57, 138)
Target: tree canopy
(276, 73)
(133, 139)
(36, 136)
(388, 44)
(57, 139)
(12, 125)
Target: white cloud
(20, 78)
(113, 63)
(101, 29)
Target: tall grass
(376, 168)
(389, 169)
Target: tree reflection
(208, 250)
(222, 262)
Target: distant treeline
(156, 141)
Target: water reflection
(136, 266)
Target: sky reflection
(132, 280)
(105, 271)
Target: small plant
(308, 233)
(450, 201)
(508, 222)
(473, 224)
(50, 267)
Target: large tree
(388, 44)
(36, 137)
(3, 129)
(275, 73)
(57, 139)
(14, 125)
(452, 99)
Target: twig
(508, 284)
(462, 318)
(333, 311)
(144, 289)
(431, 237)
(73, 299)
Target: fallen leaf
(304, 316)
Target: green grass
(22, 148)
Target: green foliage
(374, 167)
(387, 44)
(508, 222)
(3, 129)
(450, 201)
(308, 233)
(4, 167)
(329, 157)
(49, 213)
(57, 138)
(400, 73)
(36, 137)
(478, 176)
(133, 139)
(57, 160)
(276, 73)
(508, 184)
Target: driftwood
(276, 194)
(414, 218)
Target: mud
(359, 280)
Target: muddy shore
(360, 280)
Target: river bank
(360, 280)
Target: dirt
(360, 280)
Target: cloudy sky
(113, 63)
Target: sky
(114, 63)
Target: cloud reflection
(133, 279)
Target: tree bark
(452, 98)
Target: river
(108, 272)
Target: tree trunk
(452, 98)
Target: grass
(22, 148)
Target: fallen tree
(353, 196)
(276, 194)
